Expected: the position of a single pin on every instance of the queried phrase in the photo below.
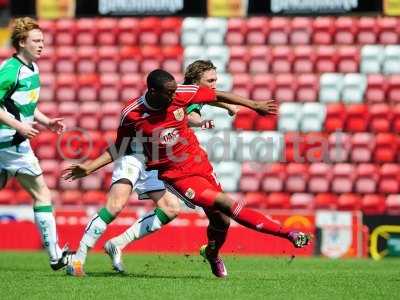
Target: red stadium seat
(362, 145)
(170, 31)
(131, 86)
(129, 60)
(342, 178)
(393, 204)
(376, 88)
(348, 59)
(389, 30)
(259, 57)
(266, 123)
(244, 119)
(274, 178)
(256, 200)
(242, 84)
(236, 32)
(86, 31)
(301, 31)
(72, 197)
(368, 30)
(281, 59)
(108, 59)
(302, 201)
(239, 59)
(393, 91)
(325, 201)
(49, 108)
(94, 198)
(367, 178)
(65, 59)
(279, 28)
(389, 179)
(107, 31)
(326, 59)
(386, 148)
(381, 118)
(320, 178)
(87, 59)
(294, 146)
(335, 117)
(172, 59)
(7, 197)
(339, 147)
(87, 88)
(357, 118)
(346, 30)
(285, 89)
(373, 204)
(151, 58)
(257, 30)
(65, 32)
(47, 60)
(128, 31)
(149, 30)
(349, 201)
(303, 59)
(48, 28)
(323, 30)
(316, 146)
(109, 87)
(297, 176)
(278, 201)
(307, 89)
(92, 182)
(263, 86)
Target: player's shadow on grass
(141, 275)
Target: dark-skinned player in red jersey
(158, 120)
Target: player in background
(201, 73)
(19, 94)
(128, 174)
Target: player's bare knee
(170, 206)
(115, 205)
(42, 196)
(224, 203)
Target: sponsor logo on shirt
(169, 136)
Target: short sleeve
(7, 81)
(204, 95)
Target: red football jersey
(165, 134)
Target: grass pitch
(26, 275)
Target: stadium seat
(307, 88)
(192, 31)
(130, 58)
(357, 118)
(302, 201)
(354, 86)
(236, 31)
(281, 59)
(367, 30)
(300, 33)
(348, 59)
(192, 53)
(349, 202)
(65, 87)
(239, 59)
(326, 59)
(376, 88)
(342, 178)
(294, 147)
(393, 204)
(279, 28)
(319, 178)
(373, 204)
(244, 119)
(268, 122)
(366, 179)
(86, 31)
(47, 60)
(65, 59)
(371, 59)
(325, 201)
(107, 31)
(249, 183)
(274, 178)
(263, 86)
(313, 117)
(172, 61)
(92, 182)
(303, 59)
(225, 82)
(362, 145)
(396, 118)
(259, 57)
(257, 30)
(285, 87)
(278, 201)
(393, 91)
(256, 200)
(214, 31)
(149, 30)
(389, 30)
(7, 196)
(87, 88)
(330, 87)
(267, 146)
(151, 58)
(335, 117)
(391, 63)
(323, 30)
(242, 84)
(228, 174)
(128, 31)
(297, 176)
(109, 87)
(346, 30)
(87, 58)
(386, 147)
(65, 32)
(289, 116)
(108, 59)
(381, 117)
(71, 197)
(170, 31)
(49, 30)
(95, 198)
(22, 197)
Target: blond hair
(21, 29)
(196, 69)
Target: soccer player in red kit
(158, 120)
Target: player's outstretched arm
(261, 107)
(232, 109)
(195, 120)
(77, 171)
(25, 129)
(55, 124)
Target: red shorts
(195, 182)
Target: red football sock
(257, 221)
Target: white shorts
(19, 160)
(131, 168)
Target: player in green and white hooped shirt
(19, 93)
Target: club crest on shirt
(179, 114)
(190, 194)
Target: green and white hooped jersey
(19, 94)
